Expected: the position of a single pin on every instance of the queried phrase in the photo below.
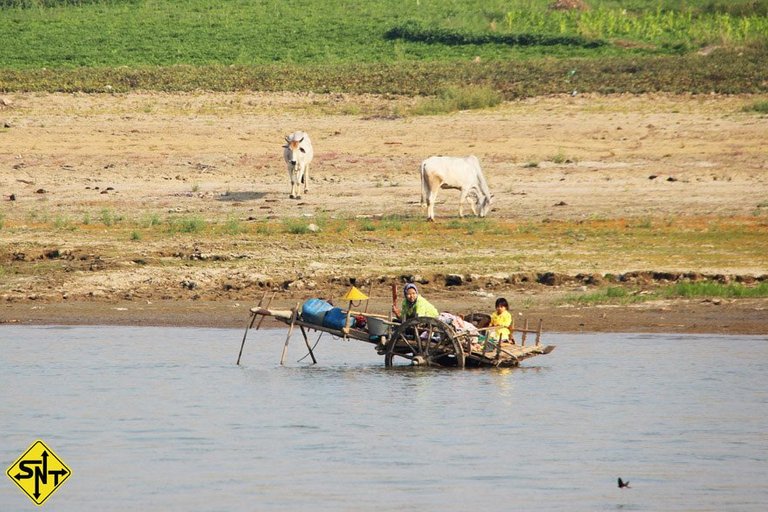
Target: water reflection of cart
(420, 341)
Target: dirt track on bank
(81, 174)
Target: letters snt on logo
(39, 472)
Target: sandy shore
(96, 190)
(700, 316)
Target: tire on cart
(424, 341)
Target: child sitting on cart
(501, 320)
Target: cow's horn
(286, 139)
(300, 140)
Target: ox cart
(421, 341)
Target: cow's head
(484, 206)
(294, 150)
(483, 203)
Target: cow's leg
(462, 198)
(473, 205)
(294, 185)
(431, 198)
(299, 179)
(305, 178)
(433, 185)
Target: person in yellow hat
(413, 305)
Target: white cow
(298, 154)
(459, 173)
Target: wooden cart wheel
(424, 341)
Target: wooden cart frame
(421, 341)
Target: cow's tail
(423, 171)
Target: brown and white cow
(298, 154)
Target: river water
(162, 419)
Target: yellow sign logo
(39, 472)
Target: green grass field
(389, 46)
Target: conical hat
(355, 294)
